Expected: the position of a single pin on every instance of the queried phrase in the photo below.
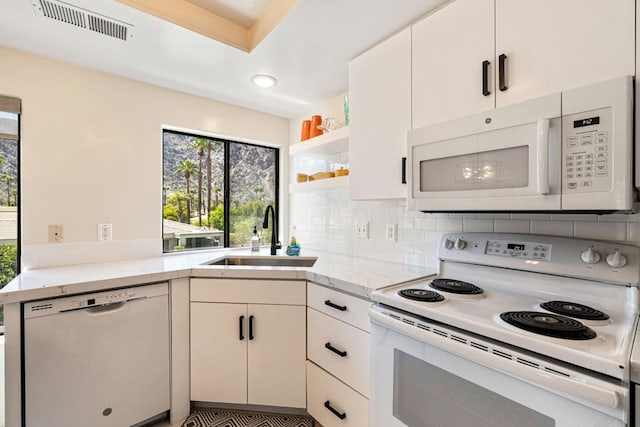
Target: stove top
(552, 304)
(551, 325)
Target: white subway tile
(618, 218)
(413, 259)
(573, 217)
(463, 215)
(410, 235)
(449, 225)
(633, 233)
(525, 216)
(512, 226)
(493, 216)
(474, 225)
(601, 230)
(408, 223)
(427, 223)
(552, 228)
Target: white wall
(326, 221)
(92, 153)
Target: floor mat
(224, 418)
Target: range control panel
(587, 141)
(518, 249)
(590, 259)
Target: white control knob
(448, 243)
(590, 256)
(616, 259)
(460, 244)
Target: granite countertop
(358, 276)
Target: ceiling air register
(83, 18)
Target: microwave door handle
(542, 143)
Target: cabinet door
(277, 355)
(218, 354)
(380, 108)
(555, 45)
(448, 50)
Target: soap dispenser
(293, 249)
(255, 241)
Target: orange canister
(316, 129)
(306, 128)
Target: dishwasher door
(97, 359)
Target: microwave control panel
(587, 147)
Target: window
(9, 191)
(215, 191)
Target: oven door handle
(553, 382)
(542, 148)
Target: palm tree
(187, 168)
(217, 191)
(9, 180)
(209, 147)
(200, 144)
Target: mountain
(252, 168)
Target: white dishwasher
(99, 359)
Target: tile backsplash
(326, 221)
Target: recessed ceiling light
(263, 80)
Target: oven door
(502, 160)
(425, 374)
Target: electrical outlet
(55, 233)
(362, 230)
(392, 232)
(105, 231)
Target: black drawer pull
(241, 321)
(342, 416)
(328, 346)
(502, 72)
(336, 306)
(251, 328)
(485, 78)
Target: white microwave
(570, 151)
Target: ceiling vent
(79, 17)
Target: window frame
(227, 141)
(9, 104)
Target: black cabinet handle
(342, 416)
(502, 72)
(336, 306)
(404, 170)
(241, 327)
(251, 328)
(328, 346)
(485, 78)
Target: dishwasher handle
(105, 308)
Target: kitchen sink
(265, 261)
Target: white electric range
(513, 327)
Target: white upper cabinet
(448, 51)
(554, 45)
(380, 116)
(545, 46)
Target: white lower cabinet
(338, 353)
(339, 348)
(246, 349)
(332, 403)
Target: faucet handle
(278, 245)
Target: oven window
(425, 396)
(504, 168)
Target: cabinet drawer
(347, 308)
(249, 291)
(339, 348)
(323, 389)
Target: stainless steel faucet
(274, 228)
